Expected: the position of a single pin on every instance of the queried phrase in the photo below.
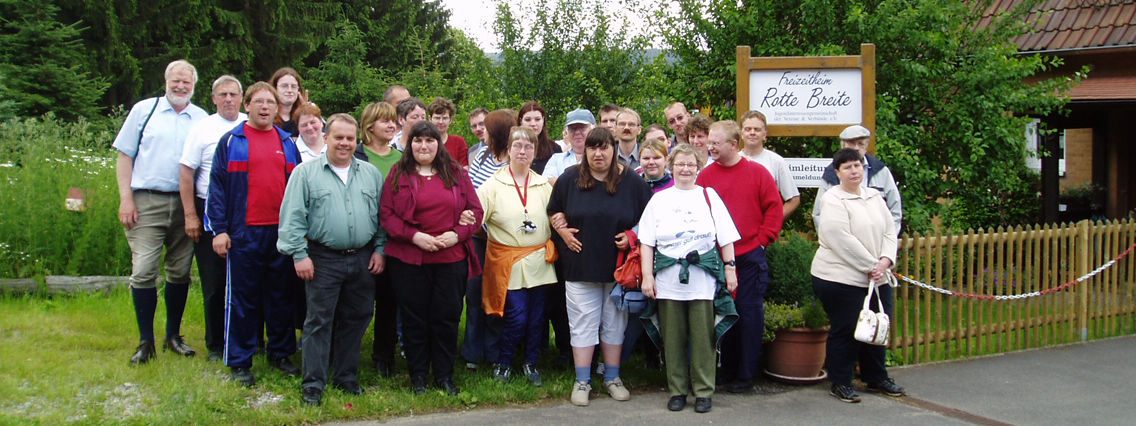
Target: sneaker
(580, 391)
(616, 390)
(844, 393)
(472, 366)
(886, 387)
(501, 372)
(598, 369)
(532, 374)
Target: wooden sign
(810, 95)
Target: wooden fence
(932, 326)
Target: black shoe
(740, 386)
(285, 366)
(532, 374)
(215, 356)
(886, 387)
(144, 353)
(676, 403)
(418, 384)
(243, 376)
(844, 393)
(702, 405)
(178, 346)
(312, 396)
(350, 387)
(449, 387)
(383, 368)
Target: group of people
(319, 224)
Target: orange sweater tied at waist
(499, 261)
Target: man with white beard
(149, 146)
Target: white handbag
(873, 327)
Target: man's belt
(157, 192)
(345, 252)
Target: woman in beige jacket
(857, 244)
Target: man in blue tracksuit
(250, 169)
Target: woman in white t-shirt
(680, 233)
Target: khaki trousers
(683, 323)
(161, 222)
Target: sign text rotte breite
(807, 96)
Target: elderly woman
(292, 94)
(680, 235)
(309, 118)
(429, 252)
(594, 203)
(857, 244)
(533, 116)
(518, 262)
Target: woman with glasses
(680, 235)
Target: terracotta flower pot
(797, 354)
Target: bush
(40, 160)
(790, 301)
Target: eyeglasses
(285, 86)
(686, 165)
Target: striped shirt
(483, 167)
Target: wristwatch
(733, 263)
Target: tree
(42, 64)
(951, 95)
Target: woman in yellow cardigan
(519, 258)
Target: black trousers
(386, 319)
(211, 269)
(843, 302)
(339, 302)
(430, 300)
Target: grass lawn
(65, 359)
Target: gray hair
(227, 79)
(178, 64)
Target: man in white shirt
(753, 135)
(196, 162)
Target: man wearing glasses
(627, 129)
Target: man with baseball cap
(879, 176)
(577, 126)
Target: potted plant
(796, 325)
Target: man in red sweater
(754, 202)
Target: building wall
(1078, 158)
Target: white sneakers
(616, 390)
(580, 391)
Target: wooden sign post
(810, 95)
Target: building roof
(1073, 24)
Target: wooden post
(1082, 268)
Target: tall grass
(40, 160)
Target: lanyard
(525, 196)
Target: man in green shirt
(329, 224)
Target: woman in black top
(592, 205)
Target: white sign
(807, 172)
(807, 96)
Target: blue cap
(580, 116)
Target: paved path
(1083, 384)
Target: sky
(475, 17)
